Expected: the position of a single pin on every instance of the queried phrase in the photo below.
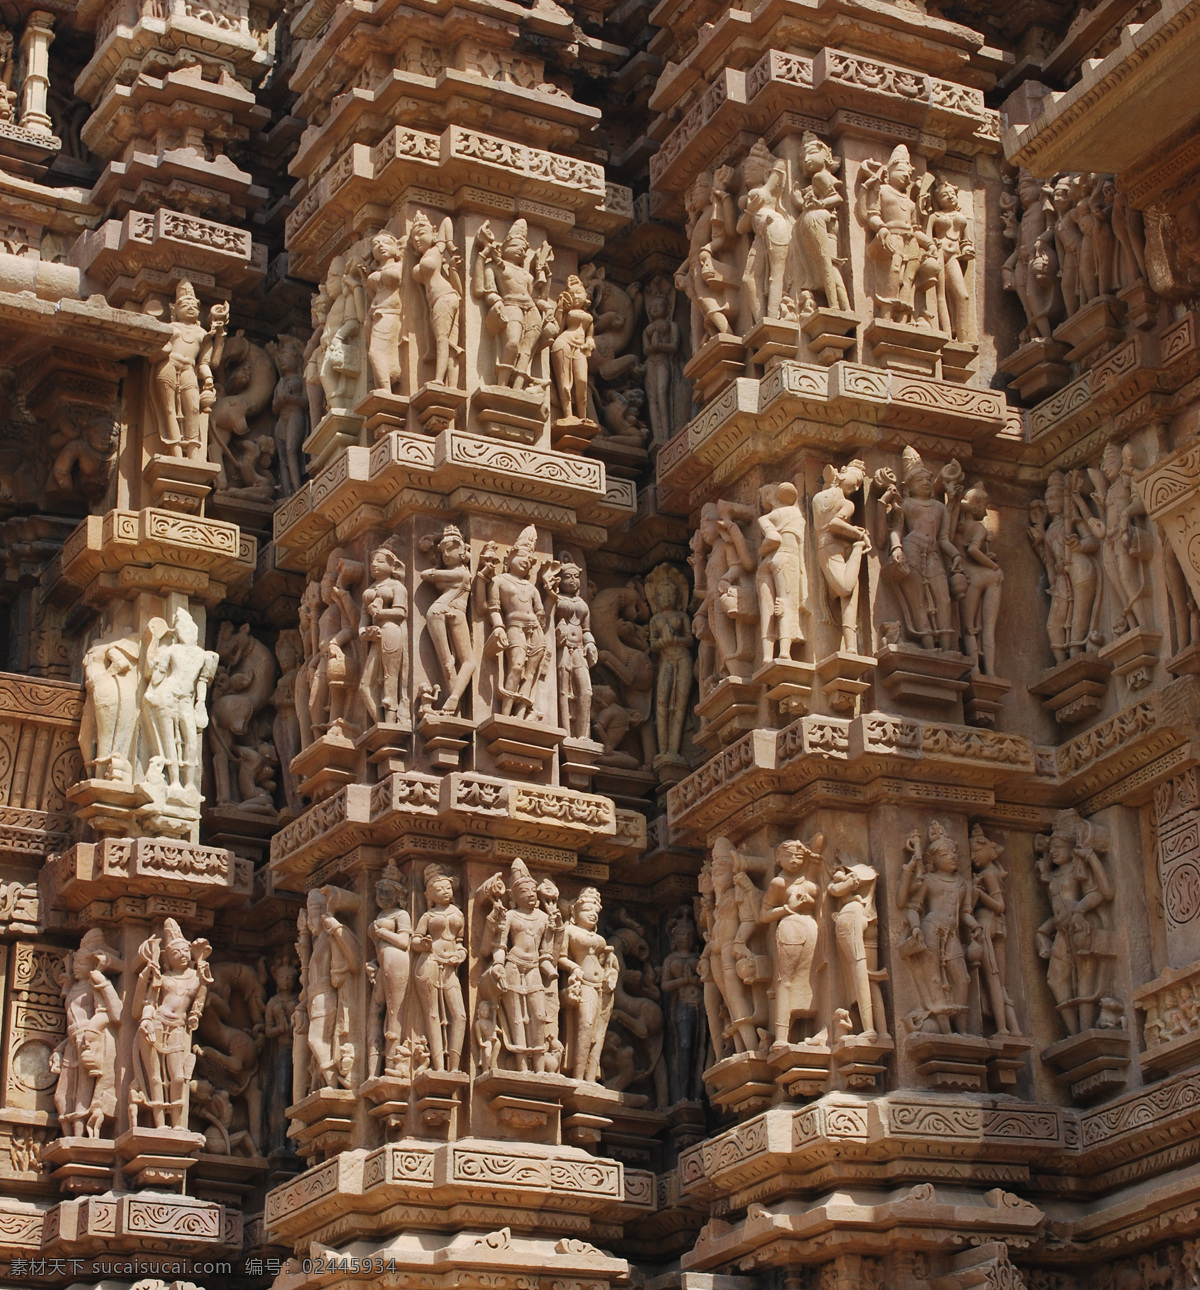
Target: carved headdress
(526, 543)
(519, 876)
(518, 238)
(899, 157)
(812, 144)
(914, 467)
(173, 935)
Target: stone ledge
(517, 1180)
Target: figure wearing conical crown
(512, 280)
(181, 388)
(920, 531)
(168, 1000)
(521, 942)
(517, 619)
(907, 260)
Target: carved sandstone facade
(602, 664)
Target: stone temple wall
(601, 654)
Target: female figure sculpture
(660, 344)
(980, 609)
(591, 967)
(683, 992)
(791, 905)
(1077, 940)
(575, 645)
(987, 896)
(571, 349)
(841, 545)
(856, 932)
(383, 346)
(438, 269)
(391, 931)
(819, 198)
(781, 576)
(439, 942)
(671, 645)
(446, 618)
(951, 230)
(383, 626)
(343, 361)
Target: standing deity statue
(1078, 940)
(1066, 545)
(384, 318)
(819, 198)
(841, 545)
(314, 356)
(660, 345)
(343, 368)
(587, 994)
(740, 970)
(990, 909)
(520, 950)
(517, 622)
(763, 215)
(1092, 214)
(951, 231)
(290, 407)
(710, 282)
(671, 645)
(1130, 231)
(278, 1028)
(1125, 545)
(85, 1095)
(438, 269)
(1037, 256)
(726, 567)
(935, 897)
(920, 533)
(178, 671)
(182, 391)
(336, 619)
(683, 993)
(383, 627)
(782, 573)
(907, 260)
(512, 281)
(330, 962)
(168, 1000)
(392, 934)
(571, 350)
(438, 942)
(446, 619)
(792, 907)
(979, 610)
(110, 712)
(856, 933)
(1066, 234)
(575, 644)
